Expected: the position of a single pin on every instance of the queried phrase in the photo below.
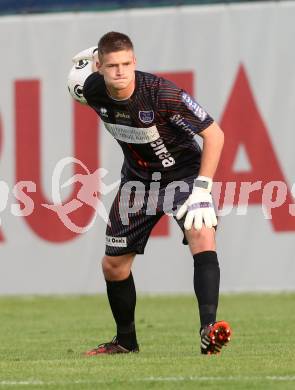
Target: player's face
(118, 69)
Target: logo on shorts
(120, 242)
(146, 117)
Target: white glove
(199, 206)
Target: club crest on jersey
(146, 117)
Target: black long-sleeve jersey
(155, 127)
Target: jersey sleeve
(181, 110)
(91, 86)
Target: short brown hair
(113, 41)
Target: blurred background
(30, 6)
(236, 58)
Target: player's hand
(199, 207)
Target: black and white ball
(76, 78)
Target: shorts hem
(125, 252)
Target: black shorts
(137, 208)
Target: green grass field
(42, 340)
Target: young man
(155, 123)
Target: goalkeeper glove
(199, 206)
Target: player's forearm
(213, 140)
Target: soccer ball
(76, 78)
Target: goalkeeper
(155, 123)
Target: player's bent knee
(117, 267)
(201, 240)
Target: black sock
(206, 285)
(122, 299)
